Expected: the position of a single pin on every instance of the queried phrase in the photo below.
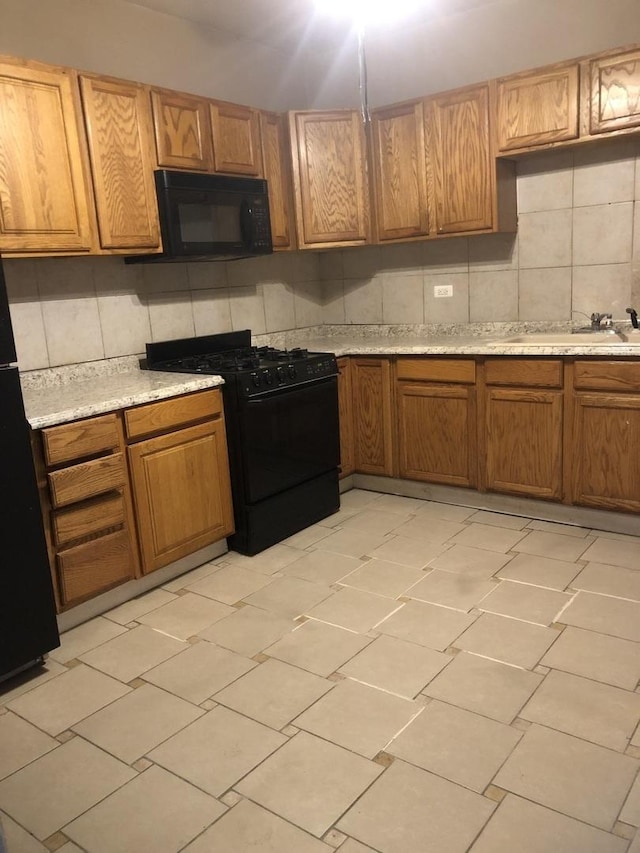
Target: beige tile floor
(405, 677)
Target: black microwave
(210, 217)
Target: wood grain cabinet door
(606, 461)
(437, 433)
(183, 133)
(524, 442)
(276, 167)
(118, 119)
(459, 157)
(536, 109)
(345, 410)
(43, 182)
(330, 178)
(182, 492)
(615, 92)
(399, 172)
(372, 430)
(236, 139)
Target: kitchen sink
(567, 339)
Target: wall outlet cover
(442, 290)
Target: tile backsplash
(577, 250)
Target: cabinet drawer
(95, 567)
(86, 480)
(524, 372)
(437, 369)
(607, 375)
(167, 414)
(79, 439)
(91, 518)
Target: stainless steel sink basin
(566, 339)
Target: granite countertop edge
(54, 405)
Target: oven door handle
(265, 396)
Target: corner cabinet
(330, 178)
(182, 131)
(606, 435)
(118, 121)
(399, 172)
(45, 196)
(180, 476)
(436, 411)
(460, 161)
(523, 427)
(537, 108)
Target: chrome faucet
(601, 321)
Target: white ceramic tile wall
(577, 249)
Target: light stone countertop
(82, 397)
(69, 393)
(456, 345)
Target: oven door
(289, 437)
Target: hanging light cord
(362, 65)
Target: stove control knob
(255, 379)
(282, 376)
(292, 371)
(268, 378)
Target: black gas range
(281, 415)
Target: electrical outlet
(441, 290)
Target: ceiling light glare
(364, 12)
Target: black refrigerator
(28, 628)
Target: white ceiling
(286, 25)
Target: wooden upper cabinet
(183, 132)
(275, 160)
(537, 108)
(459, 156)
(118, 120)
(236, 139)
(44, 194)
(615, 92)
(399, 171)
(330, 178)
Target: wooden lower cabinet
(606, 448)
(437, 433)
(372, 420)
(87, 507)
(182, 492)
(524, 442)
(345, 412)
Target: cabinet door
(437, 433)
(345, 410)
(236, 139)
(458, 133)
(606, 461)
(330, 178)
(275, 158)
(615, 92)
(371, 378)
(183, 134)
(535, 109)
(524, 442)
(43, 188)
(118, 119)
(182, 492)
(399, 172)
